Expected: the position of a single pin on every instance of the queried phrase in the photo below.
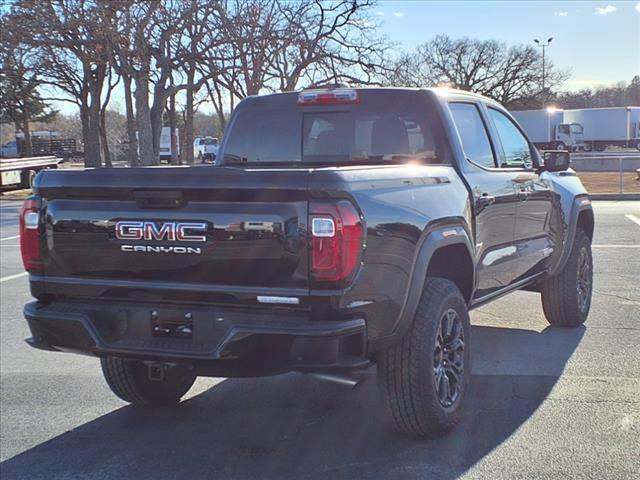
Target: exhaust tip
(345, 381)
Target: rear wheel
(28, 177)
(424, 377)
(129, 380)
(566, 297)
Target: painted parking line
(615, 246)
(13, 277)
(634, 219)
(9, 238)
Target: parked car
(205, 149)
(340, 228)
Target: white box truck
(549, 129)
(603, 127)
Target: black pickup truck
(339, 228)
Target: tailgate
(198, 225)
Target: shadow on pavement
(292, 426)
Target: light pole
(543, 46)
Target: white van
(165, 143)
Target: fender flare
(435, 236)
(580, 204)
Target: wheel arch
(434, 257)
(453, 262)
(586, 222)
(580, 216)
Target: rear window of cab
(383, 126)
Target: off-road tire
(407, 370)
(560, 293)
(129, 380)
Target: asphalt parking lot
(544, 402)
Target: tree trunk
(175, 159)
(94, 77)
(160, 95)
(103, 139)
(28, 145)
(143, 119)
(92, 152)
(131, 123)
(84, 120)
(188, 118)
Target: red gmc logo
(171, 231)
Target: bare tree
(276, 45)
(160, 48)
(328, 42)
(20, 101)
(196, 42)
(70, 33)
(506, 74)
(141, 39)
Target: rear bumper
(216, 341)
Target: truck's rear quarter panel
(393, 201)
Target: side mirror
(556, 160)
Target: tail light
(336, 241)
(30, 235)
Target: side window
(517, 152)
(564, 129)
(475, 140)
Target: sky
(598, 42)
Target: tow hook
(156, 370)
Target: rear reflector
(30, 235)
(328, 97)
(336, 242)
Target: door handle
(484, 201)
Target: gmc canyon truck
(339, 228)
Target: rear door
(533, 235)
(494, 200)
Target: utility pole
(543, 46)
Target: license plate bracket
(172, 327)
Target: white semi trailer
(603, 127)
(549, 129)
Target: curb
(614, 196)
